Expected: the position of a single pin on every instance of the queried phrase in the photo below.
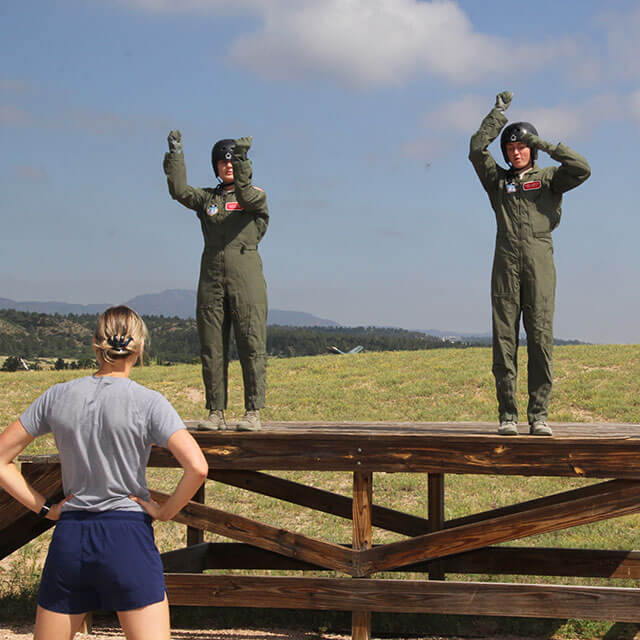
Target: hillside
(39, 335)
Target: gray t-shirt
(104, 428)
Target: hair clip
(119, 343)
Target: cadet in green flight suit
(231, 289)
(527, 203)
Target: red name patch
(534, 184)
(233, 206)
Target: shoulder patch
(533, 184)
(258, 188)
(233, 206)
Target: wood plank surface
(469, 598)
(590, 430)
(534, 561)
(616, 498)
(295, 545)
(598, 451)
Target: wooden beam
(590, 491)
(325, 554)
(191, 559)
(362, 535)
(410, 596)
(319, 500)
(45, 478)
(376, 447)
(196, 536)
(616, 498)
(19, 525)
(435, 497)
(538, 561)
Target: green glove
(533, 142)
(503, 100)
(175, 141)
(242, 146)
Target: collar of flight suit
(521, 175)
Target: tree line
(40, 335)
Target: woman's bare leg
(147, 623)
(51, 625)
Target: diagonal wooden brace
(319, 500)
(19, 525)
(612, 499)
(286, 543)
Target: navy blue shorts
(105, 561)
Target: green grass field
(592, 384)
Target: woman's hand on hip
(56, 509)
(150, 506)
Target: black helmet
(514, 133)
(221, 151)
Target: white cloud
(379, 43)
(363, 43)
(368, 43)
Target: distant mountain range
(171, 303)
(181, 303)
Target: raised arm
(481, 159)
(252, 199)
(176, 173)
(573, 170)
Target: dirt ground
(24, 632)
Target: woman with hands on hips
(102, 555)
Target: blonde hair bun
(120, 331)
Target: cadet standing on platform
(232, 289)
(527, 203)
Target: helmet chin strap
(222, 184)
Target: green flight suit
(523, 279)
(231, 289)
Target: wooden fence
(433, 546)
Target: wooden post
(196, 536)
(436, 515)
(362, 501)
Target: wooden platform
(432, 546)
(578, 450)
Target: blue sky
(361, 113)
